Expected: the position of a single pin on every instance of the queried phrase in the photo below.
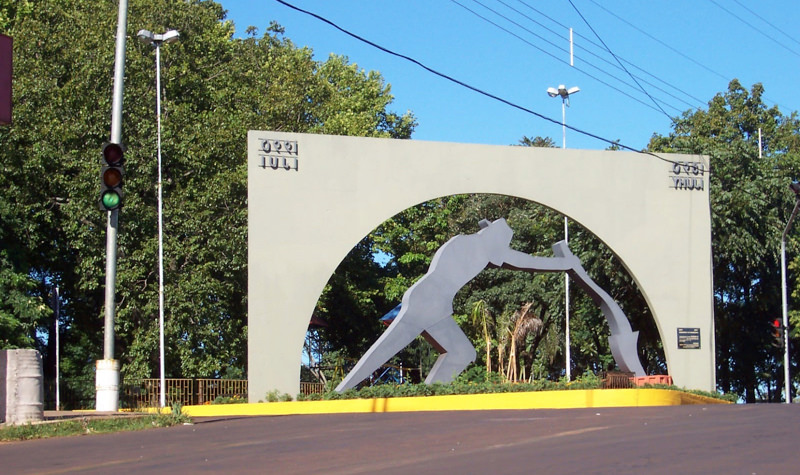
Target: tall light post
(107, 369)
(156, 40)
(564, 94)
(795, 187)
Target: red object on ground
(653, 379)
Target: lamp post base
(107, 385)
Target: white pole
(785, 311)
(566, 240)
(785, 308)
(566, 305)
(563, 122)
(571, 50)
(162, 394)
(57, 311)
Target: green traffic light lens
(110, 200)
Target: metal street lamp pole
(156, 40)
(56, 300)
(564, 93)
(107, 369)
(795, 187)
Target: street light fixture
(564, 94)
(156, 40)
(795, 187)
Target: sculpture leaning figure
(427, 306)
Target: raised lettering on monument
(687, 175)
(278, 154)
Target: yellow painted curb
(468, 402)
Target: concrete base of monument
(571, 399)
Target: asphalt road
(743, 439)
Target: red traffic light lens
(112, 154)
(776, 323)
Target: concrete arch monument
(653, 214)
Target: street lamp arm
(791, 218)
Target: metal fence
(311, 388)
(186, 392)
(79, 393)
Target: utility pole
(107, 369)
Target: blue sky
(682, 52)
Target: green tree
(749, 207)
(215, 88)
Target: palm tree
(525, 324)
(479, 311)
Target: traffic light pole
(111, 278)
(107, 369)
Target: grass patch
(465, 384)
(730, 397)
(92, 425)
(235, 399)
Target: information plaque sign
(688, 338)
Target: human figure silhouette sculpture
(427, 306)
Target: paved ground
(678, 439)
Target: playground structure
(652, 212)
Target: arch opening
(370, 281)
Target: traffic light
(111, 174)
(777, 333)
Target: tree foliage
(215, 88)
(750, 203)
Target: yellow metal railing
(311, 388)
(140, 393)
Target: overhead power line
(662, 43)
(755, 28)
(671, 48)
(596, 45)
(766, 21)
(475, 89)
(620, 62)
(557, 58)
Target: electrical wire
(755, 28)
(559, 59)
(657, 108)
(766, 21)
(672, 119)
(662, 43)
(589, 41)
(674, 50)
(477, 90)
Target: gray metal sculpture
(427, 306)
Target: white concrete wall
(310, 205)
